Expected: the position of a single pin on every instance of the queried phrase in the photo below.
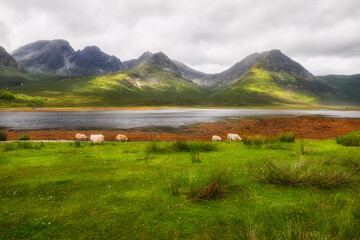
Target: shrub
(3, 136)
(301, 173)
(24, 137)
(208, 186)
(287, 137)
(6, 95)
(350, 139)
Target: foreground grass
(118, 191)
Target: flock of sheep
(122, 138)
(99, 138)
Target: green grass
(118, 191)
(350, 139)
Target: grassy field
(279, 190)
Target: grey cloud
(210, 35)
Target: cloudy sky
(208, 35)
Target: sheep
(81, 137)
(121, 138)
(97, 138)
(233, 137)
(216, 138)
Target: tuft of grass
(154, 147)
(24, 137)
(209, 186)
(352, 163)
(195, 157)
(10, 146)
(184, 146)
(3, 136)
(350, 139)
(258, 141)
(77, 143)
(176, 186)
(306, 150)
(287, 137)
(301, 173)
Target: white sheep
(121, 138)
(81, 137)
(233, 137)
(97, 138)
(216, 138)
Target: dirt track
(305, 127)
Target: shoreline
(306, 127)
(84, 109)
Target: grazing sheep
(233, 137)
(81, 137)
(216, 138)
(97, 138)
(121, 138)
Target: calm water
(123, 119)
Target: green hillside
(142, 86)
(347, 86)
(261, 87)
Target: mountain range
(90, 77)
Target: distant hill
(347, 86)
(58, 57)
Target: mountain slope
(273, 79)
(144, 85)
(189, 73)
(11, 74)
(347, 86)
(58, 57)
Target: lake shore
(306, 127)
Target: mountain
(269, 78)
(92, 61)
(157, 60)
(347, 86)
(44, 56)
(58, 57)
(189, 73)
(11, 74)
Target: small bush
(287, 137)
(6, 95)
(24, 138)
(3, 136)
(77, 143)
(209, 186)
(350, 139)
(301, 173)
(195, 157)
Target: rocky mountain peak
(6, 59)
